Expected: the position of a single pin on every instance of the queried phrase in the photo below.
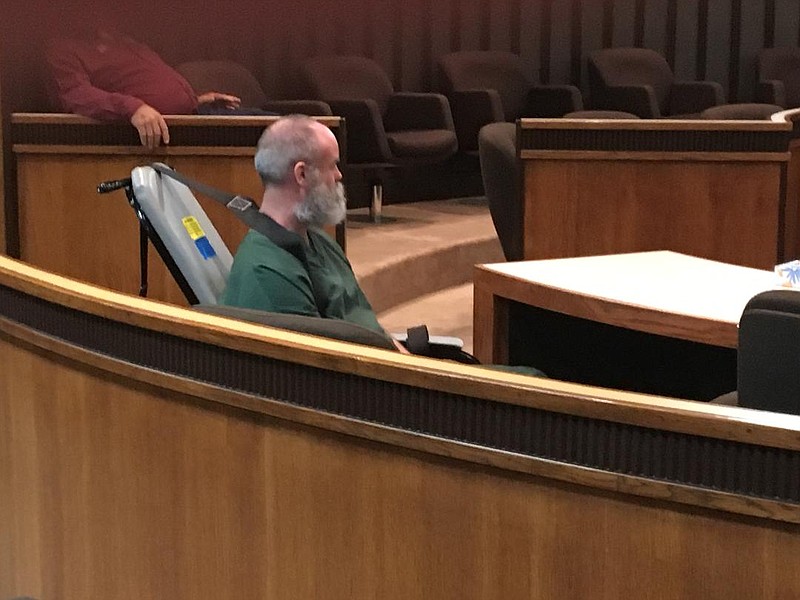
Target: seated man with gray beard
(290, 265)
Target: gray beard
(323, 205)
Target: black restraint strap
(247, 211)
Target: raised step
(420, 248)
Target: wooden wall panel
(717, 43)
(656, 25)
(715, 39)
(560, 42)
(136, 470)
(785, 24)
(607, 207)
(686, 29)
(591, 36)
(623, 33)
(751, 40)
(415, 63)
(149, 494)
(530, 46)
(500, 25)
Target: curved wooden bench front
(150, 451)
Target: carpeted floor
(416, 266)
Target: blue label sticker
(205, 247)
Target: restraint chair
(385, 129)
(200, 262)
(230, 77)
(486, 86)
(779, 77)
(640, 81)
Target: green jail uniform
(269, 276)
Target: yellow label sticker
(193, 227)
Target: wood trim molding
(134, 150)
(566, 432)
(619, 406)
(68, 131)
(656, 137)
(407, 439)
(656, 156)
(776, 123)
(30, 118)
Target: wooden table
(657, 322)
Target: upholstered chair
(233, 78)
(385, 128)
(779, 77)
(497, 149)
(639, 81)
(748, 111)
(489, 86)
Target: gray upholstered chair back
(500, 71)
(348, 77)
(631, 66)
(497, 148)
(769, 352)
(782, 64)
(224, 76)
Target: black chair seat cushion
(430, 143)
(744, 111)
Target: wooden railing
(714, 189)
(148, 450)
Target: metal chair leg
(376, 206)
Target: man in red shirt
(110, 77)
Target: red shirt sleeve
(75, 92)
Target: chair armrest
(305, 107)
(552, 100)
(330, 328)
(443, 347)
(771, 91)
(366, 137)
(418, 110)
(443, 340)
(637, 99)
(688, 97)
(472, 109)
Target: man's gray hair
(286, 142)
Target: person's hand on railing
(226, 100)
(151, 126)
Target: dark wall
(717, 39)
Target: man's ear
(300, 172)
